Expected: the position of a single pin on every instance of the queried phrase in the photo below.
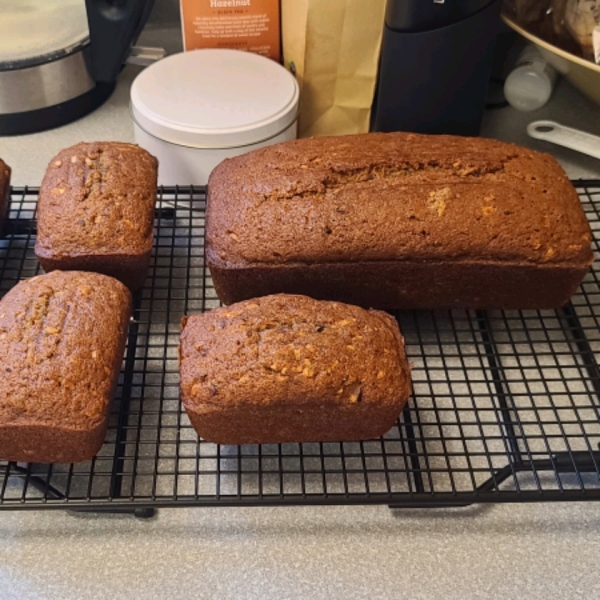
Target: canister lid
(214, 99)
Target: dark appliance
(435, 65)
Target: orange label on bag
(251, 25)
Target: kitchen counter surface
(532, 551)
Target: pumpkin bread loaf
(397, 221)
(4, 192)
(287, 368)
(63, 336)
(96, 211)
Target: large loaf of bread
(62, 340)
(289, 368)
(397, 221)
(96, 211)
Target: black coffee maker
(435, 65)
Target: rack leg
(431, 505)
(139, 513)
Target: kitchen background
(567, 105)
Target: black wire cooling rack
(506, 405)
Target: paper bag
(333, 46)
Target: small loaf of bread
(289, 368)
(96, 211)
(397, 221)
(62, 340)
(4, 192)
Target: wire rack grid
(506, 404)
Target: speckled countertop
(533, 551)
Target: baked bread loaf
(96, 211)
(63, 336)
(397, 221)
(4, 192)
(289, 368)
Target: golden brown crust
(287, 368)
(96, 210)
(63, 336)
(404, 198)
(51, 444)
(406, 284)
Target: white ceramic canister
(194, 109)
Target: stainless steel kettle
(60, 59)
